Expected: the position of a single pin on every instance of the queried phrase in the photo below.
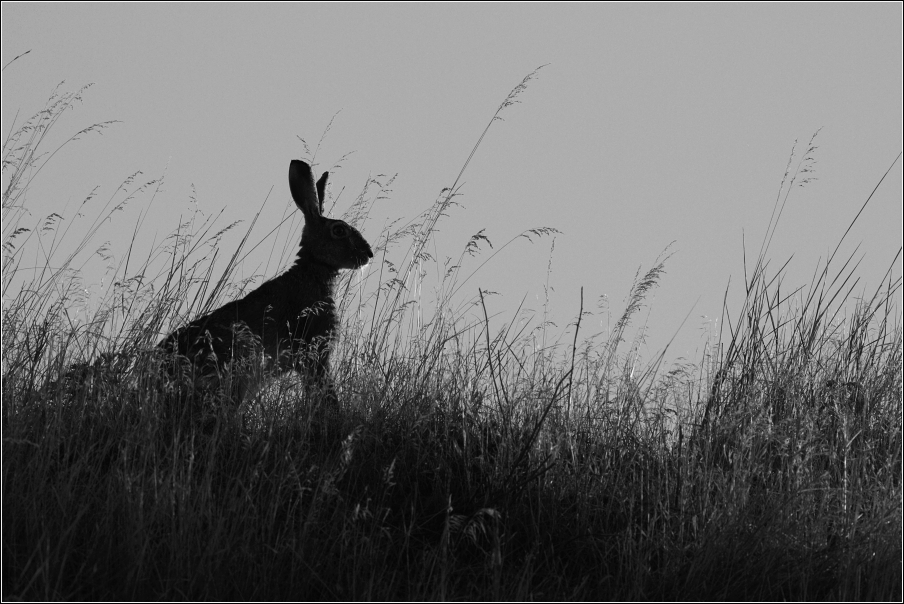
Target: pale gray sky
(650, 124)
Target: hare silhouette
(288, 322)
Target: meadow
(465, 462)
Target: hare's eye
(339, 231)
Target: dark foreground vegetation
(463, 462)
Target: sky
(648, 127)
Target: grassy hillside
(464, 462)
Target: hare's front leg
(312, 363)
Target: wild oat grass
(465, 464)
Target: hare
(287, 322)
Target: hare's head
(334, 243)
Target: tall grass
(466, 463)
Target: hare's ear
(301, 183)
(321, 190)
